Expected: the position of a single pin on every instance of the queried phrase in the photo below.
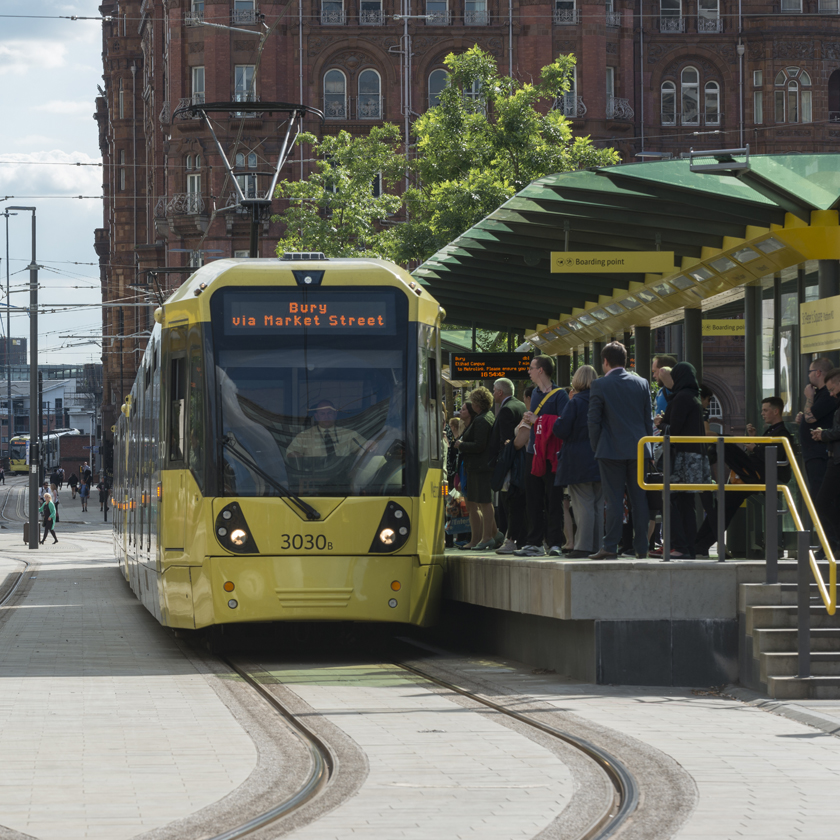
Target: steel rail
(323, 765)
(25, 563)
(626, 789)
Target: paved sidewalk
(106, 730)
(757, 774)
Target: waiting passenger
(577, 468)
(473, 446)
(817, 413)
(619, 414)
(684, 416)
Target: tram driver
(324, 439)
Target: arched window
(189, 162)
(690, 96)
(792, 97)
(473, 98)
(668, 105)
(712, 103)
(335, 95)
(834, 96)
(437, 82)
(370, 102)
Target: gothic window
(792, 96)
(437, 82)
(668, 104)
(369, 102)
(690, 96)
(335, 95)
(834, 96)
(712, 103)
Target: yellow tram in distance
(279, 457)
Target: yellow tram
(280, 455)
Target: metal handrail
(829, 593)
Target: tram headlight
(387, 536)
(233, 532)
(393, 530)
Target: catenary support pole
(642, 348)
(693, 324)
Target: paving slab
(106, 729)
(756, 774)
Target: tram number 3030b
(305, 542)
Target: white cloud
(46, 173)
(21, 57)
(79, 107)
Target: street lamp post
(34, 412)
(11, 423)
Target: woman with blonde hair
(473, 446)
(577, 468)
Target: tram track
(612, 812)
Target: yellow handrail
(828, 594)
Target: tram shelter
(751, 298)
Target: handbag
(654, 497)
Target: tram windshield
(17, 451)
(319, 408)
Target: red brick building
(682, 74)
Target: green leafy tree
(489, 137)
(335, 210)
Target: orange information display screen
(489, 365)
(289, 312)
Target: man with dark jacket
(771, 414)
(509, 411)
(619, 414)
(827, 498)
(818, 412)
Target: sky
(49, 72)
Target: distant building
(655, 77)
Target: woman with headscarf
(690, 462)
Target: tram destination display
(288, 312)
(489, 365)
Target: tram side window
(434, 411)
(196, 421)
(177, 409)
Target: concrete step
(759, 617)
(813, 688)
(771, 594)
(784, 640)
(787, 665)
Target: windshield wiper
(310, 511)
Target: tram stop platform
(636, 622)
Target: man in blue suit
(620, 414)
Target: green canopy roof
(497, 274)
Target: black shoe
(55, 540)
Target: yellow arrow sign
(612, 262)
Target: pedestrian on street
(47, 511)
(2, 475)
(73, 481)
(102, 487)
(84, 493)
(619, 414)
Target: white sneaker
(509, 547)
(555, 551)
(530, 551)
